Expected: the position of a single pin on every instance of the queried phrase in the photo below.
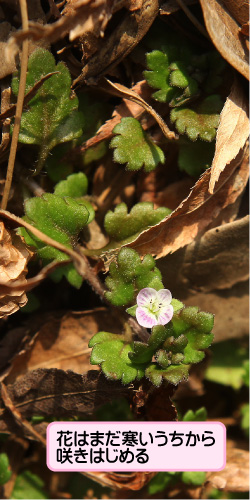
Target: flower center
(154, 307)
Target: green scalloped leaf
(202, 122)
(179, 77)
(173, 374)
(129, 275)
(120, 225)
(196, 342)
(61, 218)
(53, 115)
(158, 76)
(134, 147)
(75, 186)
(111, 351)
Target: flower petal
(145, 318)
(145, 296)
(164, 296)
(165, 315)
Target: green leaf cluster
(123, 227)
(186, 79)
(128, 275)
(134, 147)
(111, 351)
(53, 117)
(60, 216)
(173, 347)
(174, 82)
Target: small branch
(192, 18)
(32, 185)
(19, 107)
(27, 284)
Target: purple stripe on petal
(145, 295)
(164, 296)
(144, 318)
(165, 315)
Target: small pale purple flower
(154, 308)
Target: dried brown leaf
(224, 32)
(93, 16)
(232, 133)
(52, 392)
(14, 256)
(63, 342)
(239, 10)
(196, 212)
(171, 6)
(87, 12)
(235, 476)
(117, 45)
(209, 263)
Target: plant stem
(19, 107)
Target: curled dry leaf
(122, 91)
(232, 133)
(235, 476)
(196, 212)
(224, 31)
(14, 256)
